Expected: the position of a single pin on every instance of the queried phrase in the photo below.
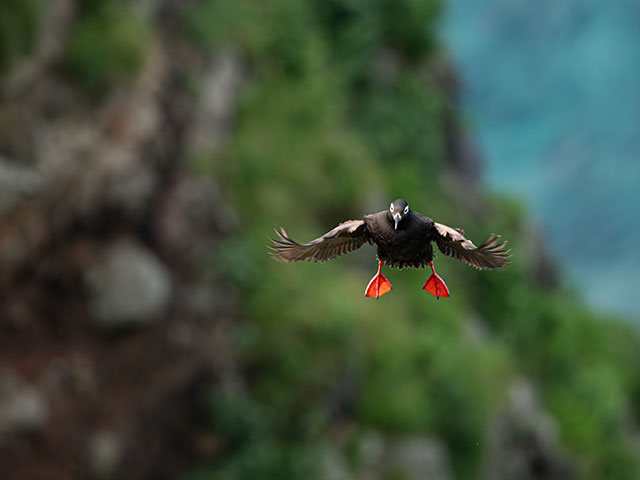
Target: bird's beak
(397, 218)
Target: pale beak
(397, 218)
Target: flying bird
(404, 240)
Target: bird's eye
(391, 208)
(406, 209)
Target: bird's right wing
(345, 238)
(491, 255)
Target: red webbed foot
(435, 284)
(379, 285)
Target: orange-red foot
(379, 285)
(435, 284)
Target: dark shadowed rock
(48, 43)
(192, 214)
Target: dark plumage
(404, 240)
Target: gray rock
(22, 407)
(385, 67)
(371, 449)
(419, 458)
(524, 442)
(475, 330)
(128, 286)
(334, 466)
(105, 454)
(220, 86)
(17, 183)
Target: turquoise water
(552, 92)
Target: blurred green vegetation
(107, 44)
(317, 139)
(18, 29)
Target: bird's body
(408, 246)
(404, 240)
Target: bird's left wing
(491, 255)
(345, 238)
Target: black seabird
(403, 238)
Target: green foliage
(18, 29)
(264, 461)
(107, 45)
(318, 139)
(403, 121)
(251, 447)
(410, 25)
(213, 23)
(278, 35)
(352, 30)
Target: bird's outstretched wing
(491, 255)
(345, 238)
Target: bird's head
(398, 210)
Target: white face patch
(406, 209)
(391, 208)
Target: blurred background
(552, 92)
(148, 148)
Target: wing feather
(345, 238)
(492, 254)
